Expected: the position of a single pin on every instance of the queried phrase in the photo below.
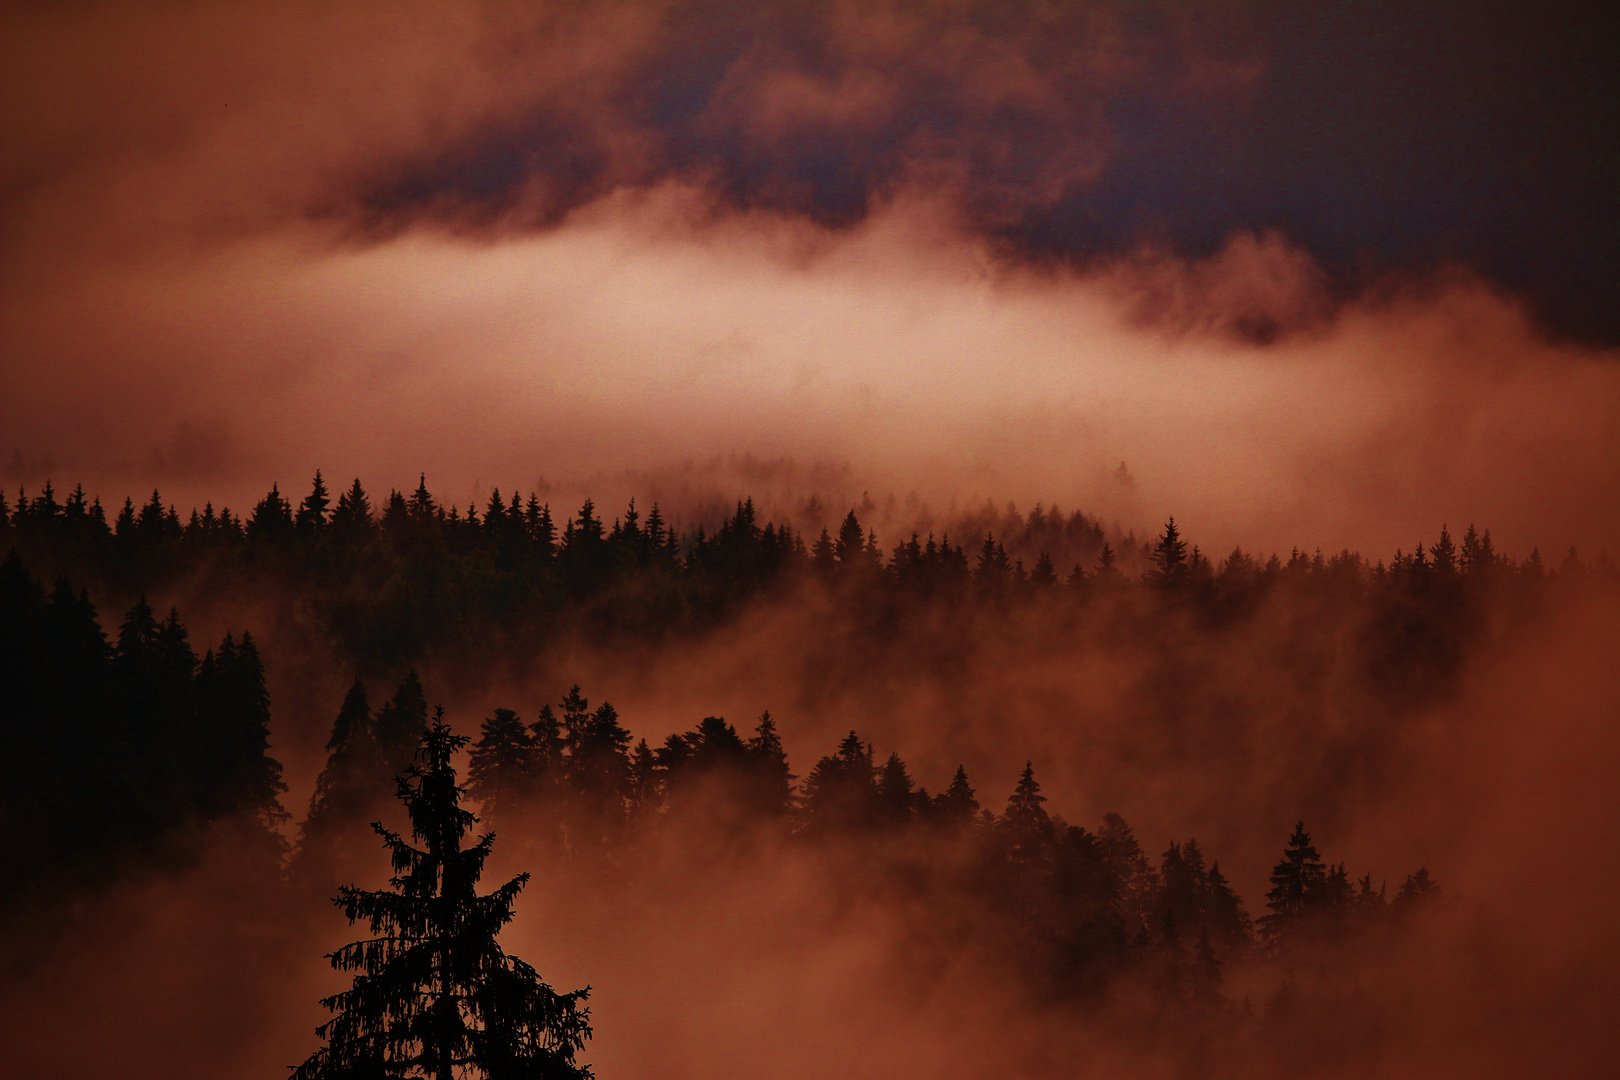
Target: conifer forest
(901, 540)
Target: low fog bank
(724, 956)
(757, 356)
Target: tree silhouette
(500, 768)
(272, 519)
(1027, 828)
(311, 517)
(772, 782)
(956, 804)
(895, 790)
(1024, 810)
(1417, 892)
(841, 791)
(1169, 557)
(1296, 883)
(434, 995)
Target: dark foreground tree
(434, 996)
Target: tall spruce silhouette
(1296, 885)
(434, 995)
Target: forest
(130, 744)
(787, 539)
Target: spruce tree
(311, 518)
(237, 773)
(1417, 892)
(895, 792)
(400, 723)
(1169, 557)
(1226, 912)
(841, 791)
(772, 786)
(851, 542)
(272, 518)
(993, 569)
(822, 553)
(1296, 884)
(956, 804)
(434, 995)
(645, 789)
(499, 769)
(343, 792)
(1027, 827)
(1138, 884)
(1024, 810)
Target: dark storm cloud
(1381, 137)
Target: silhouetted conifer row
(1081, 905)
(397, 578)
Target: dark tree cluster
(1074, 907)
(406, 577)
(1310, 899)
(126, 741)
(114, 746)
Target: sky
(1319, 280)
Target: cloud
(646, 331)
(1074, 134)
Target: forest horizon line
(354, 515)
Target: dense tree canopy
(124, 740)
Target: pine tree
(352, 519)
(542, 531)
(772, 786)
(1418, 891)
(434, 995)
(1124, 856)
(1024, 809)
(822, 553)
(153, 519)
(841, 791)
(598, 773)
(1295, 883)
(272, 518)
(311, 519)
(546, 743)
(956, 804)
(343, 792)
(851, 542)
(1169, 557)
(400, 724)
(894, 790)
(237, 772)
(644, 780)
(1444, 552)
(1226, 911)
(422, 509)
(993, 569)
(499, 769)
(124, 523)
(1026, 824)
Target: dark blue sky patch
(1381, 136)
